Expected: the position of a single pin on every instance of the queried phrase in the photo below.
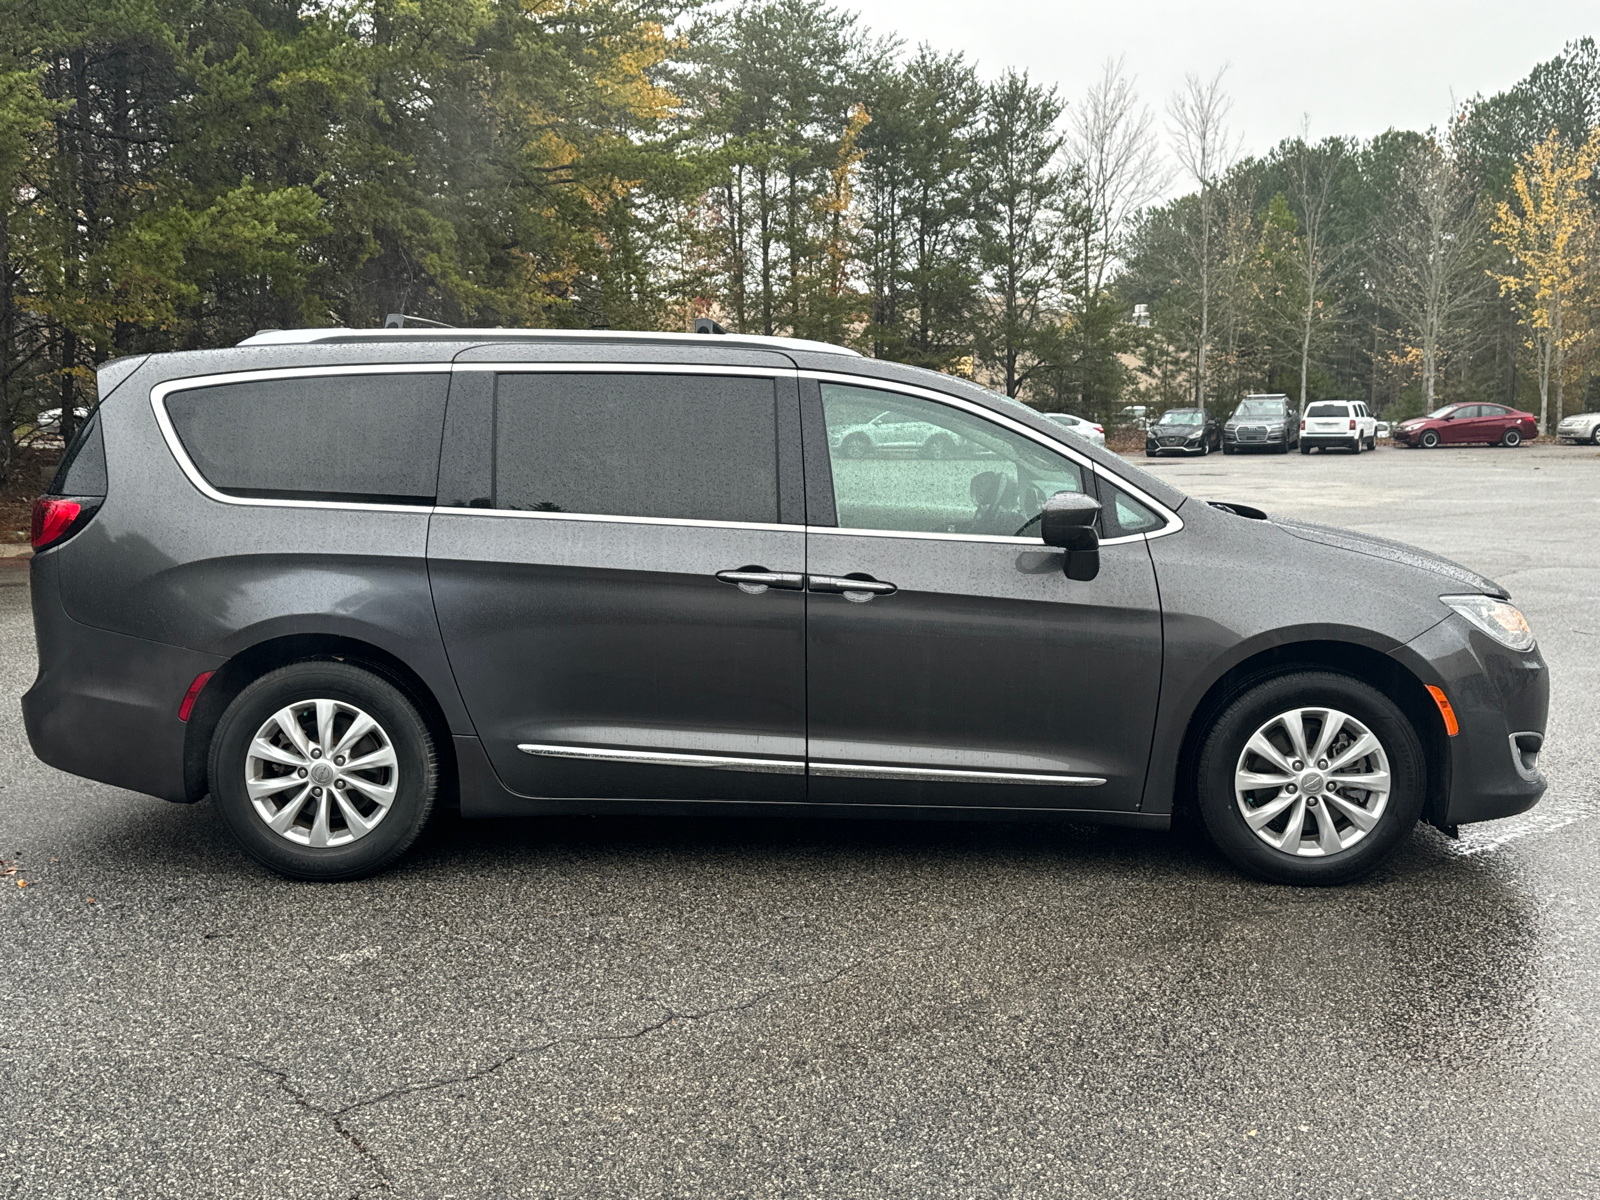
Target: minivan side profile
(336, 579)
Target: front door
(950, 661)
(619, 592)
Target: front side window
(364, 438)
(917, 466)
(686, 447)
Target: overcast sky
(1355, 66)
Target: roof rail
(401, 320)
(438, 333)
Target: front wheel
(1594, 437)
(1429, 439)
(1511, 437)
(324, 771)
(1311, 779)
(857, 445)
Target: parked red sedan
(1455, 424)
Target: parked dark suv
(336, 579)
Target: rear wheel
(324, 771)
(1312, 779)
(1511, 437)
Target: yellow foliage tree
(1548, 227)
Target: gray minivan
(336, 579)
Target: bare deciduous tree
(1112, 137)
(1205, 149)
(1315, 171)
(1430, 263)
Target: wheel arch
(1370, 666)
(257, 660)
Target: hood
(1398, 552)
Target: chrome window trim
(1174, 523)
(662, 758)
(461, 510)
(993, 539)
(158, 404)
(848, 770)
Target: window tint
(691, 447)
(1121, 514)
(1493, 410)
(1328, 410)
(83, 466)
(370, 438)
(925, 467)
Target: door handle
(752, 581)
(857, 591)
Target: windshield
(1259, 408)
(1182, 418)
(1440, 412)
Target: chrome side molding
(662, 758)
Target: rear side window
(685, 447)
(1328, 410)
(367, 438)
(83, 466)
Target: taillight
(1302, 426)
(1352, 422)
(1099, 428)
(53, 519)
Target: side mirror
(1068, 522)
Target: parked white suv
(1338, 423)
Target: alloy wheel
(1312, 782)
(321, 773)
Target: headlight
(1500, 620)
(1274, 430)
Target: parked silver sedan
(1089, 431)
(1580, 427)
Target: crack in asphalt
(385, 1183)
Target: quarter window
(368, 438)
(918, 466)
(690, 447)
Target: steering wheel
(990, 490)
(1035, 501)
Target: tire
(1343, 850)
(297, 693)
(1205, 447)
(1304, 449)
(1429, 439)
(1227, 449)
(1594, 437)
(1149, 453)
(857, 445)
(1511, 437)
(1355, 446)
(939, 446)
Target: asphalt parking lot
(713, 1008)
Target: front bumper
(1501, 700)
(1151, 446)
(1270, 441)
